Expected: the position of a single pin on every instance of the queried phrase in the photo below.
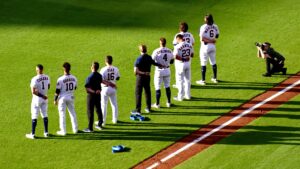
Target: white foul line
(224, 125)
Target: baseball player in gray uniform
(163, 56)
(40, 84)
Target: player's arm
(57, 92)
(138, 72)
(108, 83)
(207, 40)
(37, 93)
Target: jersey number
(43, 85)
(186, 52)
(187, 40)
(165, 57)
(69, 86)
(211, 33)
(110, 76)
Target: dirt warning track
(223, 126)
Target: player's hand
(98, 91)
(45, 97)
(55, 102)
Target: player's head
(162, 42)
(179, 38)
(39, 69)
(266, 45)
(209, 20)
(183, 27)
(109, 60)
(67, 67)
(95, 66)
(143, 48)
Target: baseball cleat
(284, 71)
(168, 104)
(157, 106)
(187, 97)
(134, 112)
(46, 135)
(147, 110)
(87, 130)
(61, 133)
(30, 136)
(214, 80)
(98, 127)
(267, 75)
(200, 82)
(177, 99)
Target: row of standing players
(101, 86)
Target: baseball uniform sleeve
(174, 40)
(33, 83)
(58, 84)
(175, 52)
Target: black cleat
(284, 71)
(267, 75)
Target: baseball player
(163, 56)
(40, 84)
(64, 97)
(209, 33)
(183, 52)
(187, 37)
(110, 74)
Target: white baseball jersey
(208, 50)
(67, 85)
(187, 37)
(209, 32)
(110, 73)
(40, 82)
(163, 56)
(184, 50)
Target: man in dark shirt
(142, 68)
(93, 89)
(274, 60)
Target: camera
(259, 45)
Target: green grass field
(53, 31)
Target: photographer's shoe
(284, 71)
(267, 75)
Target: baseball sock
(214, 67)
(157, 96)
(34, 122)
(46, 124)
(203, 71)
(168, 92)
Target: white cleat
(147, 110)
(177, 99)
(46, 135)
(98, 127)
(87, 130)
(187, 97)
(61, 133)
(155, 106)
(168, 105)
(214, 80)
(30, 136)
(200, 82)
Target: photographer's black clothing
(275, 63)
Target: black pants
(142, 82)
(273, 66)
(93, 100)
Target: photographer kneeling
(274, 60)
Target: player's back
(110, 73)
(41, 83)
(163, 56)
(187, 37)
(184, 50)
(67, 85)
(209, 31)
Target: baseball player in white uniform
(183, 52)
(40, 84)
(110, 74)
(187, 37)
(163, 56)
(64, 97)
(209, 33)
